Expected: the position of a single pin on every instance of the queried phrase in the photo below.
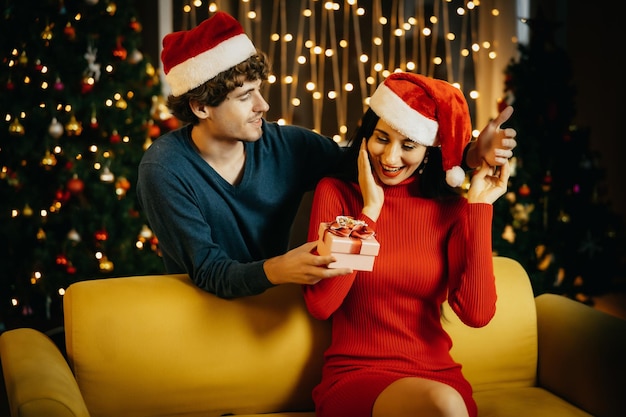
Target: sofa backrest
(158, 345)
(502, 354)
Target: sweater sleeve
(472, 291)
(329, 201)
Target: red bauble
(154, 131)
(69, 31)
(524, 190)
(171, 123)
(135, 25)
(101, 235)
(115, 137)
(61, 259)
(75, 185)
(119, 51)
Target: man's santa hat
(192, 57)
(430, 112)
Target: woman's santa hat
(430, 112)
(192, 57)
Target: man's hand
(301, 266)
(494, 145)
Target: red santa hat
(430, 112)
(192, 57)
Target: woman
(389, 355)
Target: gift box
(351, 243)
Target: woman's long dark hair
(432, 182)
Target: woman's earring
(423, 164)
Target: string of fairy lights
(329, 56)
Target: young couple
(221, 193)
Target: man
(221, 192)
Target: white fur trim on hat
(455, 176)
(197, 70)
(402, 117)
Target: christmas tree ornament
(10, 85)
(135, 56)
(27, 211)
(73, 127)
(39, 67)
(75, 185)
(55, 129)
(101, 235)
(107, 176)
(62, 196)
(91, 2)
(509, 234)
(135, 25)
(93, 68)
(122, 185)
(154, 131)
(111, 8)
(16, 128)
(145, 233)
(73, 236)
(58, 85)
(158, 109)
(86, 85)
(61, 260)
(41, 235)
(121, 104)
(46, 35)
(106, 265)
(49, 160)
(23, 59)
(93, 122)
(119, 51)
(115, 137)
(69, 31)
(524, 190)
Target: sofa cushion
(524, 402)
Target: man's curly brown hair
(214, 91)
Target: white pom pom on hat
(430, 112)
(192, 57)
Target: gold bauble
(73, 127)
(48, 160)
(16, 128)
(106, 265)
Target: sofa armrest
(582, 355)
(38, 379)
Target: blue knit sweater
(221, 234)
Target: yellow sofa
(159, 346)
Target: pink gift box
(349, 252)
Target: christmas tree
(555, 220)
(80, 105)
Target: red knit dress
(386, 323)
